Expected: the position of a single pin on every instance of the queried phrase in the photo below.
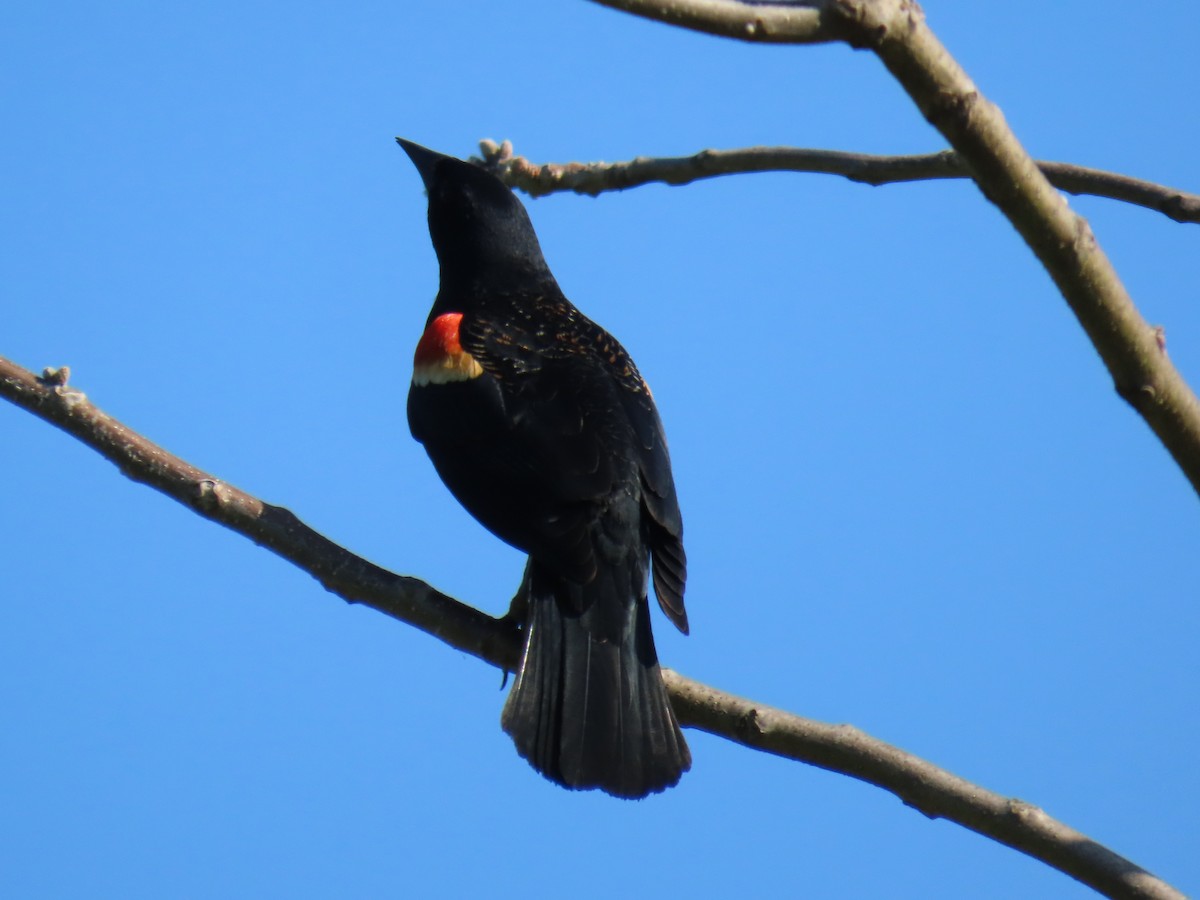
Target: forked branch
(896, 32)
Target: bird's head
(478, 226)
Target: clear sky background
(913, 500)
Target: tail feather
(589, 708)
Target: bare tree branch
(350, 577)
(768, 23)
(1172, 203)
(895, 30)
(864, 168)
(920, 784)
(838, 748)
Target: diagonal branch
(864, 168)
(920, 784)
(896, 32)
(351, 577)
(838, 748)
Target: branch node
(55, 377)
(1181, 207)
(1085, 238)
(495, 156)
(1139, 396)
(204, 493)
(210, 494)
(1024, 812)
(749, 726)
(952, 109)
(869, 24)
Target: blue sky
(913, 501)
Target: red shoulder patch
(440, 357)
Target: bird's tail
(589, 708)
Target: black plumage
(541, 426)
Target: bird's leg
(518, 611)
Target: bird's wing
(664, 520)
(562, 451)
(580, 412)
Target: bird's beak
(423, 158)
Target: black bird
(541, 426)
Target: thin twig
(865, 168)
(838, 748)
(896, 32)
(796, 23)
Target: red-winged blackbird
(539, 423)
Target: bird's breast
(440, 357)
